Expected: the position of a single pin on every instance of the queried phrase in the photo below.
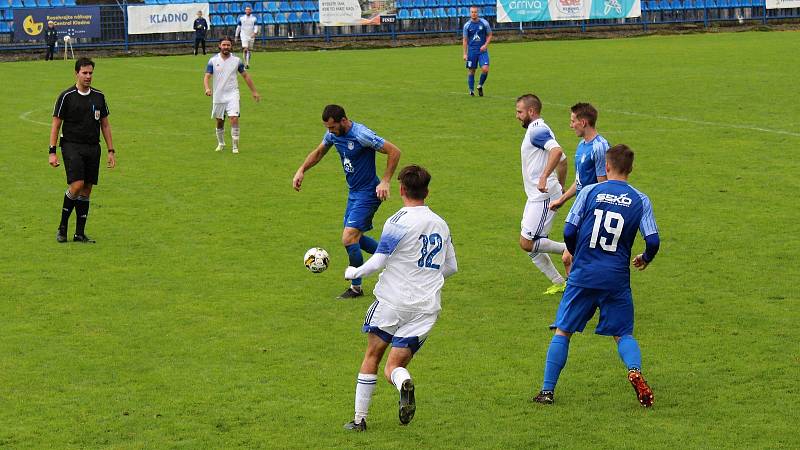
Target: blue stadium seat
(229, 20)
(292, 18)
(267, 19)
(310, 6)
(490, 11)
(17, 4)
(285, 7)
(42, 3)
(431, 3)
(4, 28)
(416, 14)
(297, 7)
(427, 13)
(403, 14)
(258, 7)
(306, 17)
(418, 4)
(315, 16)
(57, 3)
(272, 7)
(463, 11)
(235, 8)
(280, 19)
(222, 8)
(452, 12)
(676, 5)
(664, 5)
(217, 21)
(29, 3)
(402, 4)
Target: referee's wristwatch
(52, 149)
(111, 150)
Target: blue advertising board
(80, 22)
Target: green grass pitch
(193, 323)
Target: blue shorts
(476, 59)
(579, 304)
(361, 208)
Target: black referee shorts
(81, 162)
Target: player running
(475, 43)
(600, 230)
(542, 157)
(416, 254)
(225, 101)
(247, 28)
(356, 145)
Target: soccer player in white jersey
(223, 67)
(416, 254)
(247, 29)
(542, 157)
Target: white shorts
(537, 219)
(247, 41)
(400, 328)
(220, 110)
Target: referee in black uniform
(83, 112)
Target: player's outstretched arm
(54, 129)
(206, 79)
(393, 158)
(375, 263)
(559, 202)
(105, 127)
(249, 81)
(450, 265)
(485, 46)
(552, 162)
(311, 160)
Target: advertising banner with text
(81, 22)
(172, 18)
(355, 12)
(548, 10)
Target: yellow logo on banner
(31, 27)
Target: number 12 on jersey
(612, 224)
(426, 258)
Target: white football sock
(365, 386)
(543, 262)
(221, 136)
(399, 375)
(547, 246)
(235, 136)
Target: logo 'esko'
(621, 200)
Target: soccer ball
(316, 259)
(67, 38)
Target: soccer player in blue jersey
(475, 42)
(590, 156)
(600, 229)
(356, 145)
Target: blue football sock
(356, 260)
(483, 79)
(471, 82)
(368, 244)
(629, 351)
(556, 359)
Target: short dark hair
(226, 38)
(415, 180)
(84, 61)
(531, 101)
(334, 112)
(620, 157)
(585, 111)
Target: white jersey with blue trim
(247, 26)
(226, 84)
(539, 140)
(419, 247)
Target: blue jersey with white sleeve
(475, 33)
(590, 161)
(607, 216)
(357, 151)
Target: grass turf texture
(193, 323)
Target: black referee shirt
(81, 115)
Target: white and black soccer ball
(316, 259)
